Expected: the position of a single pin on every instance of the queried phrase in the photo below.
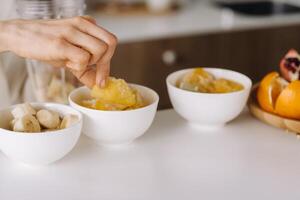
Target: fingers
(88, 44)
(97, 48)
(85, 25)
(102, 74)
(86, 77)
(100, 33)
(90, 76)
(76, 58)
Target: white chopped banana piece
(48, 119)
(23, 109)
(26, 123)
(12, 123)
(68, 121)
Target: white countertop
(245, 160)
(200, 17)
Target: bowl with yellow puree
(116, 114)
(208, 98)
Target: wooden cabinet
(252, 52)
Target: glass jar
(35, 9)
(50, 84)
(69, 8)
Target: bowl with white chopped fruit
(39, 133)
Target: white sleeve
(5, 96)
(12, 68)
(5, 99)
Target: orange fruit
(288, 102)
(277, 96)
(268, 91)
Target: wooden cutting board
(290, 125)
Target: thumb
(86, 77)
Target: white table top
(199, 17)
(245, 160)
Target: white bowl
(114, 128)
(209, 110)
(39, 148)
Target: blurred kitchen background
(157, 37)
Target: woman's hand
(76, 43)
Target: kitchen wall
(198, 35)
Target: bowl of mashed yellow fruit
(116, 114)
(208, 97)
